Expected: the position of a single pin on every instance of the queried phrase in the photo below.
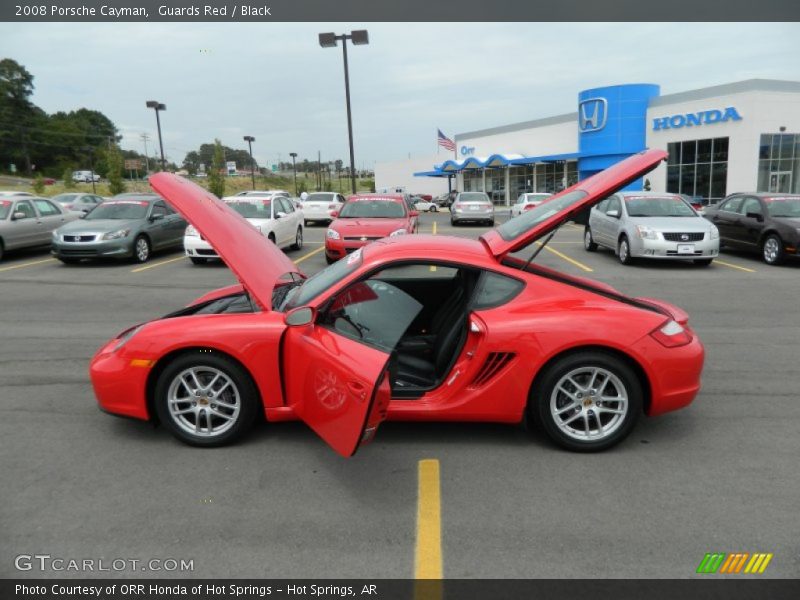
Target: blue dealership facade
(742, 136)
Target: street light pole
(294, 170)
(358, 38)
(157, 106)
(250, 139)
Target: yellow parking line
(434, 228)
(158, 264)
(428, 558)
(29, 264)
(310, 254)
(732, 266)
(575, 226)
(580, 265)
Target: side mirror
(613, 213)
(334, 213)
(754, 215)
(156, 217)
(280, 214)
(83, 215)
(298, 317)
(19, 215)
(414, 213)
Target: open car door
(339, 368)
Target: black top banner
(397, 10)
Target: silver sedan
(27, 222)
(472, 206)
(651, 225)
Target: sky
(273, 81)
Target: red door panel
(338, 386)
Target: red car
(411, 327)
(363, 219)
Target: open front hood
(256, 261)
(533, 224)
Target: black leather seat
(423, 344)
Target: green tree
(38, 184)
(67, 177)
(114, 165)
(216, 174)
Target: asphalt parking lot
(722, 475)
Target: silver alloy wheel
(298, 239)
(203, 401)
(589, 403)
(771, 250)
(587, 239)
(142, 250)
(623, 250)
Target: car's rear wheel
(433, 208)
(206, 399)
(198, 261)
(141, 249)
(703, 262)
(624, 251)
(772, 250)
(588, 241)
(587, 402)
(298, 239)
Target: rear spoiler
(678, 315)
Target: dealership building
(742, 136)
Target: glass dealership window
(698, 168)
(779, 163)
(473, 181)
(520, 181)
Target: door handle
(357, 388)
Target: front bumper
(120, 381)
(198, 247)
(119, 248)
(663, 249)
(317, 214)
(336, 249)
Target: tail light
(332, 207)
(672, 334)
(486, 205)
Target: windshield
(531, 218)
(534, 197)
(658, 206)
(473, 197)
(320, 198)
(124, 209)
(321, 281)
(783, 207)
(65, 197)
(260, 209)
(5, 207)
(366, 209)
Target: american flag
(446, 142)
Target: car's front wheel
(298, 239)
(587, 402)
(624, 251)
(206, 399)
(588, 241)
(141, 249)
(772, 250)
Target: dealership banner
(407, 10)
(398, 589)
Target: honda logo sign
(592, 114)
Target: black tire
(588, 241)
(141, 249)
(298, 239)
(242, 383)
(198, 261)
(271, 238)
(329, 260)
(453, 223)
(542, 397)
(2, 250)
(703, 262)
(624, 251)
(69, 261)
(491, 223)
(433, 208)
(772, 251)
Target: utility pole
(144, 137)
(319, 170)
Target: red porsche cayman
(411, 327)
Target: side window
(751, 205)
(25, 207)
(159, 208)
(733, 205)
(46, 208)
(614, 204)
(170, 210)
(288, 207)
(494, 290)
(340, 198)
(603, 205)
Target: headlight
(714, 233)
(646, 233)
(191, 232)
(54, 235)
(398, 232)
(115, 235)
(332, 234)
(126, 335)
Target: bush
(216, 175)
(38, 184)
(115, 163)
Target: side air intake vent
(493, 365)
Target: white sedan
(425, 206)
(275, 217)
(318, 206)
(527, 202)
